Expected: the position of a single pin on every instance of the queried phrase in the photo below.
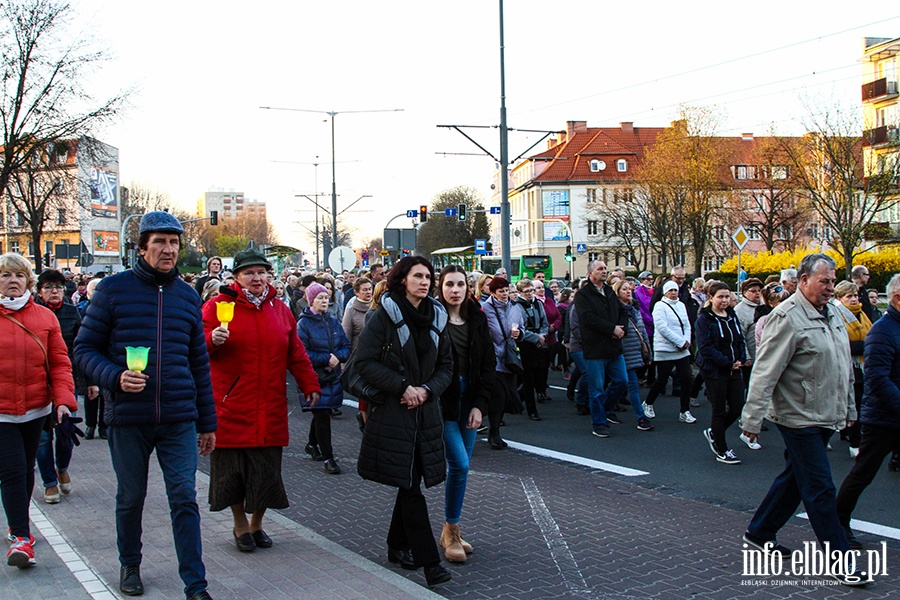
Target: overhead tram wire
(706, 67)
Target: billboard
(555, 204)
(105, 243)
(555, 232)
(104, 185)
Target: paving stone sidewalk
(77, 557)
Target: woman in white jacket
(671, 343)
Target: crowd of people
(432, 358)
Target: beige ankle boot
(450, 542)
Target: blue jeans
(459, 441)
(45, 457)
(634, 394)
(597, 370)
(806, 477)
(176, 451)
(579, 374)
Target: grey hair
(791, 273)
(810, 264)
(893, 287)
(858, 270)
(676, 268)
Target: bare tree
(771, 200)
(847, 193)
(624, 221)
(43, 100)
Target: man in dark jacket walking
(163, 404)
(880, 411)
(602, 322)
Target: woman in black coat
(464, 402)
(404, 352)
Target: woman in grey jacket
(505, 321)
(632, 348)
(536, 326)
(671, 350)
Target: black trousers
(93, 411)
(875, 444)
(726, 394)
(18, 450)
(542, 370)
(528, 381)
(505, 396)
(410, 525)
(664, 368)
(320, 432)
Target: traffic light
(213, 217)
(461, 212)
(423, 213)
(569, 256)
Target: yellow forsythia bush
(879, 261)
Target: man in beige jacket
(803, 382)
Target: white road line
(866, 526)
(95, 587)
(559, 549)
(578, 460)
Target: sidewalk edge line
(578, 460)
(868, 527)
(77, 565)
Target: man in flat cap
(165, 404)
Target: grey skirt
(248, 476)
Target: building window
(14, 246)
(30, 248)
(592, 227)
(60, 216)
(605, 227)
(591, 195)
(787, 233)
(753, 232)
(592, 256)
(742, 172)
(621, 165)
(20, 219)
(630, 260)
(597, 166)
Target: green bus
(520, 266)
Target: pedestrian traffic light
(461, 212)
(423, 214)
(569, 256)
(213, 217)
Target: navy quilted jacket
(143, 307)
(881, 399)
(323, 335)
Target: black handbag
(512, 360)
(326, 374)
(353, 382)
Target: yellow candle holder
(225, 313)
(136, 357)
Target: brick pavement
(302, 564)
(544, 528)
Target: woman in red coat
(34, 359)
(248, 360)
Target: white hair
(893, 287)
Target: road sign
(495, 210)
(481, 246)
(740, 237)
(580, 248)
(449, 212)
(365, 262)
(412, 214)
(384, 252)
(341, 258)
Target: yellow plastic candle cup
(225, 313)
(136, 357)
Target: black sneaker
(130, 580)
(601, 432)
(313, 452)
(760, 544)
(612, 418)
(855, 544)
(331, 467)
(644, 424)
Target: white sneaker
(854, 452)
(687, 417)
(729, 458)
(754, 445)
(694, 402)
(648, 410)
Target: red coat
(251, 367)
(23, 386)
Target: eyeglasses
(528, 291)
(53, 288)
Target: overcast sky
(203, 69)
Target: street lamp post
(332, 114)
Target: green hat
(249, 258)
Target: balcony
(881, 136)
(880, 89)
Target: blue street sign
(365, 262)
(481, 246)
(581, 248)
(495, 210)
(412, 214)
(449, 212)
